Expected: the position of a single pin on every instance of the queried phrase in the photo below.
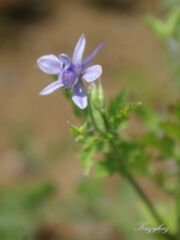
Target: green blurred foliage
(167, 28)
(96, 135)
(106, 146)
(22, 210)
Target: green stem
(148, 203)
(144, 197)
(135, 184)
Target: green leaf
(108, 166)
(117, 103)
(87, 155)
(162, 143)
(172, 129)
(167, 28)
(137, 160)
(151, 119)
(87, 159)
(79, 133)
(175, 109)
(101, 169)
(123, 114)
(92, 146)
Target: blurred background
(43, 193)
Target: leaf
(162, 143)
(117, 103)
(167, 28)
(101, 169)
(123, 114)
(172, 129)
(86, 156)
(108, 166)
(175, 109)
(156, 25)
(79, 133)
(138, 161)
(150, 118)
(92, 146)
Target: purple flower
(71, 71)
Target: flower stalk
(128, 176)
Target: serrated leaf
(117, 103)
(79, 133)
(123, 114)
(92, 146)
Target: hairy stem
(148, 203)
(137, 187)
(144, 197)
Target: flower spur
(71, 72)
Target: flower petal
(79, 49)
(51, 88)
(92, 73)
(69, 78)
(79, 95)
(89, 58)
(49, 64)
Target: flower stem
(137, 187)
(146, 200)
(148, 203)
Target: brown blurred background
(35, 143)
